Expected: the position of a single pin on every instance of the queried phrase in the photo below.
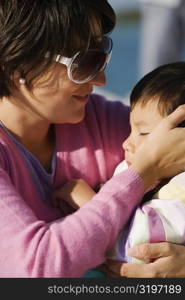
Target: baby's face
(143, 119)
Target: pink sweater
(36, 240)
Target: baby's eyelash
(143, 133)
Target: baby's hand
(75, 192)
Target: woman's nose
(99, 79)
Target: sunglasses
(84, 66)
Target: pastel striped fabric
(160, 219)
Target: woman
(52, 130)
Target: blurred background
(127, 63)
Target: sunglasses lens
(87, 64)
(107, 44)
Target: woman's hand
(168, 262)
(163, 152)
(75, 192)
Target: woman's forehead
(87, 32)
(95, 32)
(95, 26)
(80, 44)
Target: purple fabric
(156, 228)
(42, 180)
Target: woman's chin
(77, 118)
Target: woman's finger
(176, 117)
(132, 270)
(138, 270)
(151, 251)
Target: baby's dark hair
(166, 84)
(31, 30)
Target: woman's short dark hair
(30, 29)
(166, 84)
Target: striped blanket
(160, 219)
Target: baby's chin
(128, 163)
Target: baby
(161, 217)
